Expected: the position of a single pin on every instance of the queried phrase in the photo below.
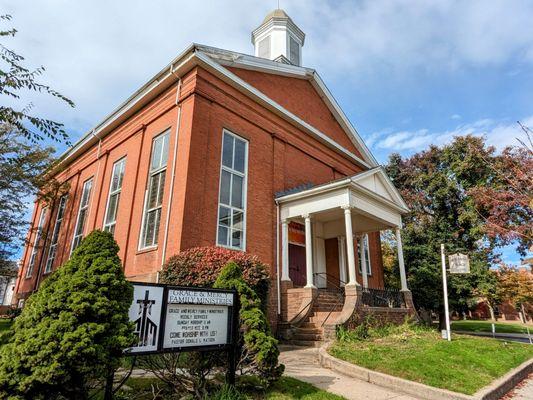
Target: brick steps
(328, 305)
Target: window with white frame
(55, 234)
(153, 202)
(364, 241)
(294, 51)
(82, 214)
(115, 188)
(232, 196)
(36, 242)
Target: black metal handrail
(390, 298)
(339, 290)
(331, 280)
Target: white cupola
(279, 39)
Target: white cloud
(99, 52)
(455, 116)
(497, 133)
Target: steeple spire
(279, 38)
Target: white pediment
(377, 182)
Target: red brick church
(251, 153)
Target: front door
(297, 264)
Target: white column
(308, 252)
(362, 244)
(285, 251)
(401, 264)
(349, 246)
(342, 260)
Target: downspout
(95, 177)
(278, 278)
(172, 178)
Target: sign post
(176, 319)
(445, 290)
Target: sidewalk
(523, 391)
(302, 363)
(516, 337)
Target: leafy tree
(23, 160)
(516, 286)
(14, 78)
(71, 332)
(22, 168)
(436, 184)
(506, 205)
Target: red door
(297, 265)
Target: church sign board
(171, 318)
(459, 263)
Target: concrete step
(309, 325)
(315, 330)
(306, 343)
(307, 336)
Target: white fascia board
(141, 96)
(345, 123)
(261, 98)
(314, 191)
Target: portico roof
(370, 194)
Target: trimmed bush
(259, 349)
(200, 266)
(71, 333)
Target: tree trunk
(108, 393)
(491, 310)
(442, 320)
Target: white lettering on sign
(189, 325)
(184, 296)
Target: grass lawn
(485, 326)
(464, 365)
(285, 389)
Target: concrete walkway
(302, 363)
(523, 391)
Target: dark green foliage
(227, 392)
(72, 331)
(259, 346)
(436, 184)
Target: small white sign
(459, 263)
(145, 312)
(444, 334)
(189, 325)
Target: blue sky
(407, 73)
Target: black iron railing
(390, 298)
(332, 282)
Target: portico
(341, 221)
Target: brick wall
(280, 157)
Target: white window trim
(49, 264)
(37, 239)
(140, 246)
(244, 188)
(105, 224)
(366, 246)
(80, 209)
